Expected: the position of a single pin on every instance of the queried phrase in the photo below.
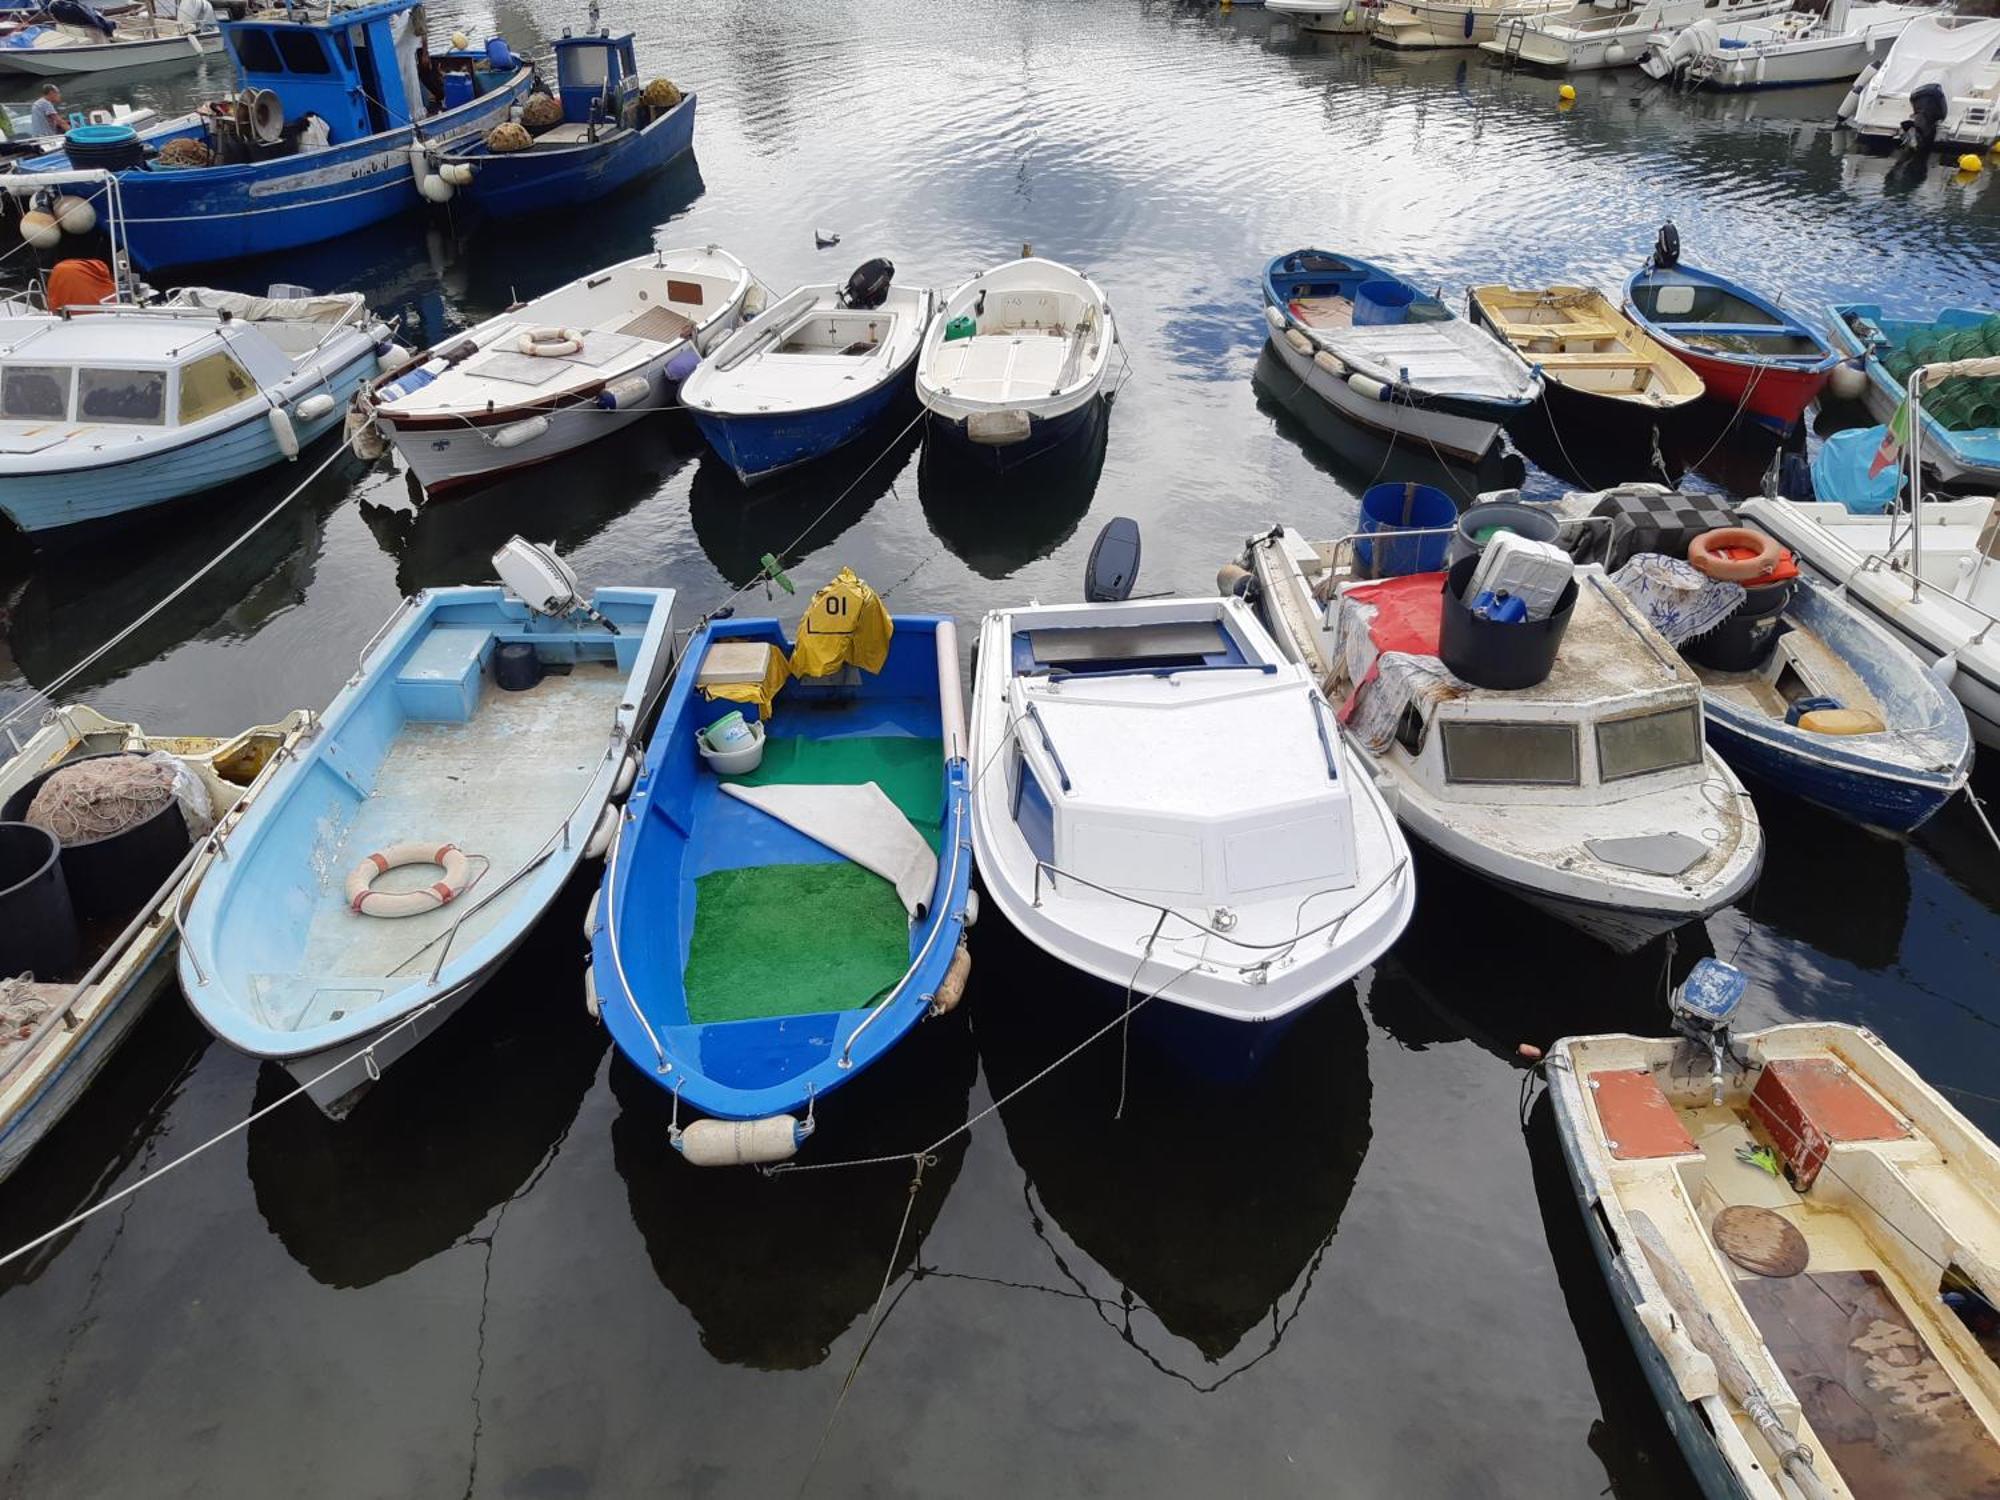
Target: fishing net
(541, 112)
(661, 94)
(508, 137)
(95, 799)
(185, 152)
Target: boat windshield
(35, 391)
(1648, 743)
(137, 397)
(1479, 752)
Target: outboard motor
(1702, 1008)
(1667, 248)
(1114, 562)
(1928, 107)
(869, 285)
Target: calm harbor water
(1362, 1277)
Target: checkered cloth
(1648, 518)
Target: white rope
(1980, 808)
(49, 690)
(366, 1055)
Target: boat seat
(661, 323)
(1810, 1105)
(1734, 330)
(440, 681)
(1593, 361)
(1638, 1119)
(1528, 328)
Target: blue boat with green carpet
(786, 895)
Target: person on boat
(46, 117)
(80, 282)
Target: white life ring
(364, 899)
(550, 343)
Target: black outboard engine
(1667, 248)
(74, 13)
(1114, 562)
(869, 285)
(1928, 107)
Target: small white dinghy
(1802, 1241)
(59, 48)
(1590, 795)
(572, 366)
(1165, 803)
(1014, 363)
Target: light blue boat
(1961, 449)
(297, 946)
(106, 411)
(609, 136)
(712, 960)
(269, 188)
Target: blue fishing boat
(785, 898)
(1751, 354)
(1961, 416)
(334, 128)
(811, 373)
(613, 129)
(447, 794)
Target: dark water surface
(1361, 1278)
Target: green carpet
(910, 771)
(783, 940)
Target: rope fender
(364, 900)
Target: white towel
(859, 822)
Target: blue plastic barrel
(1382, 302)
(1404, 507)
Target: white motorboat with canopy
(1939, 85)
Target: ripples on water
(496, 1279)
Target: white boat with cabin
(1165, 803)
(1780, 51)
(1453, 23)
(1591, 796)
(573, 365)
(1611, 33)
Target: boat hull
(1048, 435)
(531, 182)
(202, 215)
(1430, 25)
(1773, 396)
(757, 447)
(58, 499)
(109, 57)
(1876, 797)
(337, 1078)
(1462, 430)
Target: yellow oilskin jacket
(846, 623)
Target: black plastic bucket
(37, 926)
(1743, 642)
(112, 877)
(516, 668)
(1490, 655)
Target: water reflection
(774, 1269)
(1208, 1208)
(996, 524)
(1858, 915)
(453, 1131)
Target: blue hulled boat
(782, 908)
(321, 140)
(614, 129)
(1961, 417)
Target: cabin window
(255, 51)
(1534, 754)
(584, 67)
(301, 52)
(138, 396)
(211, 384)
(1650, 742)
(35, 391)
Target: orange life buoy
(550, 343)
(364, 899)
(1718, 554)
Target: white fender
(1371, 390)
(628, 771)
(590, 1000)
(315, 406)
(516, 433)
(971, 909)
(590, 918)
(457, 173)
(624, 394)
(286, 434)
(737, 1143)
(1853, 100)
(1275, 318)
(433, 187)
(1298, 341)
(1615, 53)
(1331, 365)
(600, 833)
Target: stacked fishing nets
(97, 798)
(1959, 404)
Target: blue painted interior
(681, 826)
(1975, 448)
(1321, 273)
(1750, 315)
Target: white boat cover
(255, 309)
(1929, 51)
(859, 822)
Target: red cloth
(80, 283)
(1408, 612)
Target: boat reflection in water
(461, 1126)
(997, 524)
(737, 526)
(1208, 1209)
(774, 1269)
(1357, 457)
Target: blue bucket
(1405, 507)
(1382, 302)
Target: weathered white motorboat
(1611, 33)
(1590, 795)
(451, 789)
(1014, 362)
(107, 410)
(58, 1030)
(1781, 51)
(1802, 1241)
(1168, 805)
(59, 48)
(1452, 23)
(574, 365)
(1328, 17)
(1939, 85)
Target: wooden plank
(1639, 1121)
(1884, 1410)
